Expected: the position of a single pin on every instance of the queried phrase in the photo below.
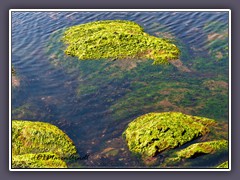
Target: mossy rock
(198, 149)
(223, 165)
(117, 39)
(39, 160)
(39, 137)
(153, 133)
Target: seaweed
(117, 39)
(198, 154)
(31, 139)
(154, 133)
(223, 165)
(38, 160)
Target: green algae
(153, 133)
(117, 39)
(202, 148)
(145, 88)
(38, 160)
(201, 154)
(223, 165)
(13, 71)
(26, 110)
(39, 137)
(131, 86)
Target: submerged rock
(117, 39)
(153, 133)
(39, 137)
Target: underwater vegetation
(117, 39)
(33, 141)
(218, 39)
(223, 165)
(173, 135)
(140, 88)
(15, 79)
(13, 71)
(153, 133)
(38, 160)
(128, 86)
(202, 148)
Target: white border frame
(119, 10)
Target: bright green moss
(200, 154)
(39, 160)
(223, 165)
(117, 39)
(153, 133)
(39, 137)
(203, 148)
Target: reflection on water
(93, 101)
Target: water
(93, 101)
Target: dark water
(93, 101)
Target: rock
(39, 137)
(117, 39)
(39, 160)
(202, 148)
(154, 133)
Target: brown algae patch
(215, 85)
(179, 65)
(214, 36)
(125, 64)
(15, 81)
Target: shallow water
(93, 101)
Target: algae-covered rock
(39, 160)
(223, 165)
(117, 39)
(39, 137)
(198, 149)
(153, 133)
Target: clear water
(93, 101)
